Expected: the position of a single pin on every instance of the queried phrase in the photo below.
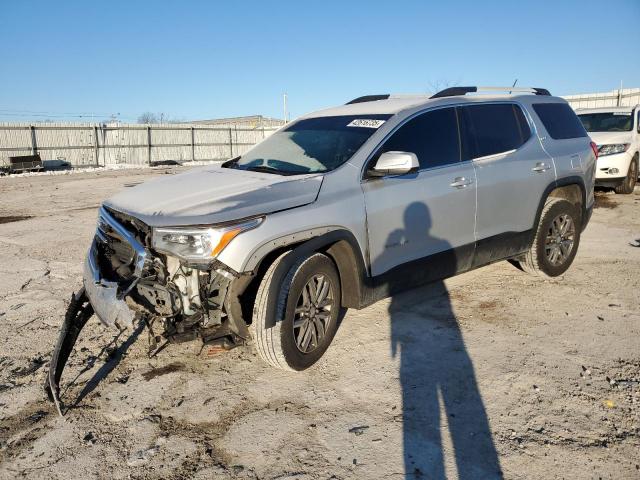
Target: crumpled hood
(214, 194)
(607, 138)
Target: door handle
(460, 182)
(541, 167)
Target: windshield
(607, 122)
(310, 145)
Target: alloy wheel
(313, 313)
(560, 239)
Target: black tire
(277, 344)
(541, 257)
(629, 183)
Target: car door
(426, 214)
(512, 173)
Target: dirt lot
(493, 371)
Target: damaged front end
(127, 280)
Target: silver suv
(337, 210)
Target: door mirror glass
(394, 163)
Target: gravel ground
(493, 373)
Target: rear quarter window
(560, 120)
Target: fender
(342, 247)
(562, 182)
(259, 253)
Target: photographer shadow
(439, 387)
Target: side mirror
(394, 163)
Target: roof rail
(457, 91)
(369, 98)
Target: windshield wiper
(232, 163)
(268, 169)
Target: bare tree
(148, 117)
(160, 117)
(434, 86)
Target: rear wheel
(555, 242)
(629, 183)
(303, 311)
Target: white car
(616, 131)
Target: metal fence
(91, 144)
(626, 97)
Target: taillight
(594, 147)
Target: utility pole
(284, 104)
(620, 95)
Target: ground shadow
(91, 362)
(114, 359)
(439, 388)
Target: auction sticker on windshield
(366, 123)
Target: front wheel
(629, 183)
(555, 242)
(294, 322)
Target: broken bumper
(107, 297)
(104, 297)
(78, 312)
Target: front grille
(134, 226)
(115, 255)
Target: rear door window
(489, 129)
(560, 120)
(432, 136)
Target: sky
(70, 60)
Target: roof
(397, 103)
(392, 105)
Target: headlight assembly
(199, 244)
(613, 148)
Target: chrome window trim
(496, 155)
